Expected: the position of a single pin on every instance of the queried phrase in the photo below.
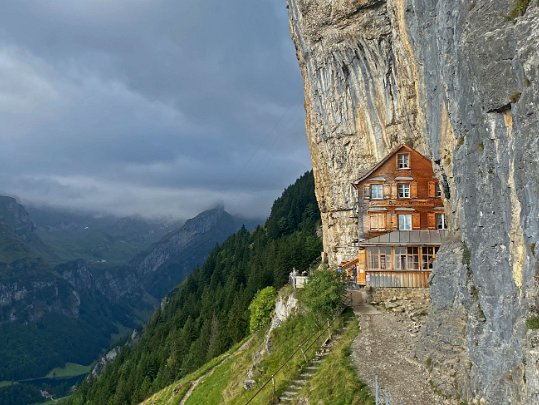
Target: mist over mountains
(72, 284)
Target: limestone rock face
(458, 81)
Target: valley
(67, 292)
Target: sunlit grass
(336, 381)
(69, 370)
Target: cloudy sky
(152, 107)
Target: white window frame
(405, 222)
(403, 163)
(379, 188)
(443, 223)
(403, 190)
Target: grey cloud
(143, 106)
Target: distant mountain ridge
(171, 259)
(97, 238)
(53, 312)
(17, 227)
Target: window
(378, 258)
(377, 192)
(440, 221)
(403, 190)
(407, 258)
(403, 160)
(405, 222)
(427, 257)
(439, 193)
(377, 221)
(400, 258)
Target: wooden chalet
(401, 220)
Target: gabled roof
(408, 238)
(365, 175)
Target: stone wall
(458, 81)
(378, 295)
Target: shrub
(533, 322)
(518, 9)
(324, 293)
(261, 308)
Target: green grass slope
(222, 381)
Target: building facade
(399, 258)
(399, 193)
(401, 220)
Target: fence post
(387, 397)
(273, 383)
(376, 391)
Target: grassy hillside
(222, 381)
(208, 313)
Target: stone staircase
(290, 394)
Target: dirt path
(195, 383)
(384, 348)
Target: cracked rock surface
(459, 81)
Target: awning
(379, 178)
(403, 178)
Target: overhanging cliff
(460, 82)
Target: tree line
(208, 313)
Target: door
(362, 267)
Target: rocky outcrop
(29, 290)
(176, 255)
(459, 81)
(13, 215)
(286, 305)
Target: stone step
(297, 385)
(289, 393)
(306, 375)
(312, 368)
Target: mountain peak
(14, 216)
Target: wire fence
(304, 346)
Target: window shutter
(362, 259)
(394, 221)
(367, 192)
(387, 221)
(413, 189)
(431, 220)
(387, 191)
(416, 220)
(394, 191)
(432, 189)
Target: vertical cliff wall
(458, 81)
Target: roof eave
(380, 163)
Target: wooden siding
(423, 186)
(401, 279)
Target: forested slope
(208, 312)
